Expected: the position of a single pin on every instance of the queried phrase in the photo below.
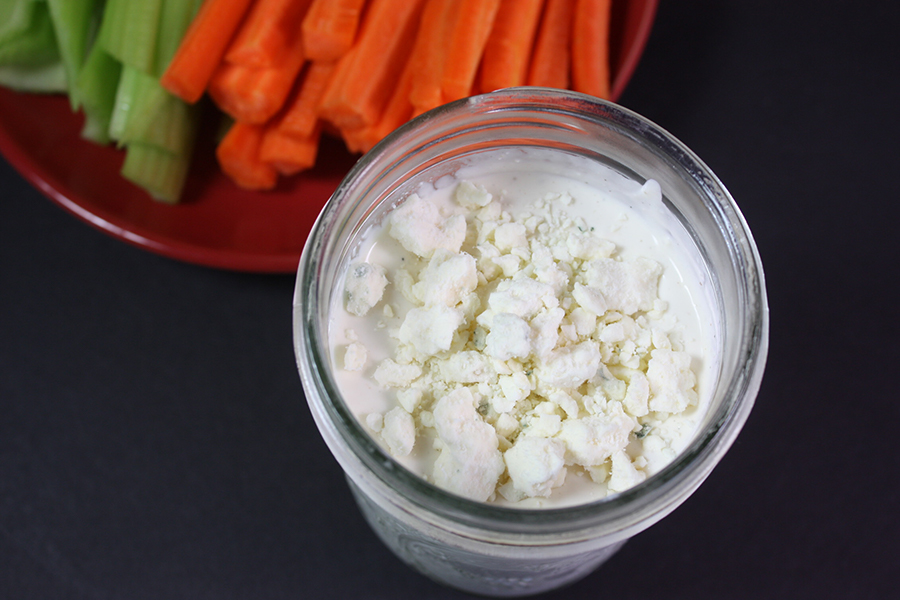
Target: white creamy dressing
(620, 210)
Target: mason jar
(483, 548)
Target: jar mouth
(421, 145)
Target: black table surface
(155, 442)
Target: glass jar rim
(634, 508)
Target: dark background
(154, 441)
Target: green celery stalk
(34, 46)
(29, 57)
(46, 79)
(128, 98)
(15, 18)
(154, 116)
(140, 96)
(111, 53)
(159, 129)
(161, 173)
(160, 159)
(97, 83)
(74, 22)
(129, 31)
(174, 127)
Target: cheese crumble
(529, 351)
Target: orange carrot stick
(467, 40)
(430, 53)
(202, 48)
(256, 95)
(508, 49)
(330, 27)
(398, 111)
(268, 33)
(300, 114)
(238, 156)
(368, 73)
(590, 47)
(289, 154)
(550, 60)
(251, 95)
(332, 91)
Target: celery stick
(74, 22)
(34, 46)
(175, 18)
(129, 31)
(159, 160)
(155, 117)
(96, 87)
(128, 93)
(172, 127)
(159, 172)
(15, 18)
(159, 128)
(140, 96)
(46, 79)
(29, 58)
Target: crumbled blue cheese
(448, 279)
(398, 431)
(624, 472)
(421, 228)
(355, 356)
(469, 462)
(430, 329)
(528, 349)
(510, 337)
(364, 287)
(671, 381)
(390, 374)
(535, 465)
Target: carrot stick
(268, 33)
(467, 40)
(250, 95)
(203, 46)
(397, 112)
(330, 27)
(238, 156)
(332, 91)
(430, 53)
(289, 154)
(300, 113)
(508, 49)
(256, 95)
(550, 59)
(590, 47)
(368, 73)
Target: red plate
(217, 224)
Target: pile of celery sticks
(108, 56)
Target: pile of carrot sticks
(287, 70)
